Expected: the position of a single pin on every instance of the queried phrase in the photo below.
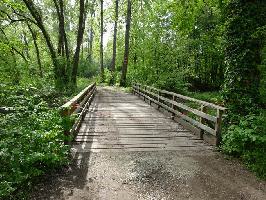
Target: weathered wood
(78, 105)
(218, 126)
(159, 97)
(128, 125)
(179, 114)
(192, 110)
(202, 120)
(211, 105)
(77, 99)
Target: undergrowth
(247, 140)
(31, 135)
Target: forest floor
(195, 174)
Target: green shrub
(31, 139)
(248, 141)
(107, 76)
(83, 83)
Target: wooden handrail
(170, 104)
(211, 105)
(78, 105)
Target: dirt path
(121, 154)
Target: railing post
(202, 120)
(218, 126)
(144, 92)
(159, 99)
(173, 106)
(150, 90)
(133, 86)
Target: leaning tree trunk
(81, 27)
(114, 43)
(39, 22)
(101, 45)
(127, 35)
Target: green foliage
(244, 87)
(87, 69)
(212, 97)
(262, 69)
(244, 43)
(107, 76)
(248, 141)
(177, 45)
(31, 140)
(83, 83)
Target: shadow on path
(61, 184)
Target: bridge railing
(201, 117)
(78, 105)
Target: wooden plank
(140, 149)
(138, 136)
(192, 110)
(137, 139)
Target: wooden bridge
(152, 144)
(150, 120)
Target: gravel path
(152, 176)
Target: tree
(81, 27)
(101, 45)
(39, 22)
(63, 49)
(91, 31)
(62, 70)
(114, 43)
(126, 53)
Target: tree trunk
(26, 42)
(91, 32)
(39, 22)
(114, 43)
(90, 41)
(34, 37)
(127, 36)
(101, 45)
(81, 27)
(62, 48)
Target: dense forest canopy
(50, 49)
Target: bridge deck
(123, 122)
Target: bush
(107, 76)
(248, 141)
(31, 139)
